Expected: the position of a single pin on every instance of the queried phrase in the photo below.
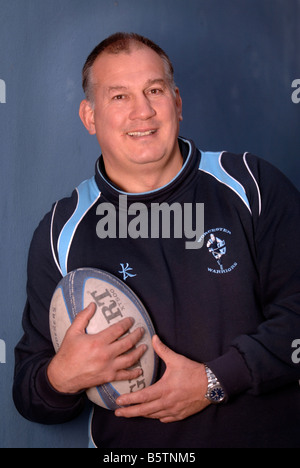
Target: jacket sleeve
(33, 395)
(262, 362)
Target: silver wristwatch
(215, 392)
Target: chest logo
(216, 241)
(217, 248)
(125, 271)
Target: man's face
(136, 114)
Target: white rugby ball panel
(114, 301)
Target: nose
(141, 108)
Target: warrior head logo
(217, 247)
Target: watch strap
(213, 382)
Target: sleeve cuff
(232, 372)
(51, 396)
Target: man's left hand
(179, 394)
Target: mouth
(139, 134)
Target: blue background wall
(235, 61)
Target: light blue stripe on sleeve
(88, 193)
(211, 164)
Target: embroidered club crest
(217, 241)
(217, 247)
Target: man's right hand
(85, 361)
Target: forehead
(128, 68)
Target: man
(225, 333)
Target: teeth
(141, 134)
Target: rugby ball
(114, 301)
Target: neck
(142, 178)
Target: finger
(146, 410)
(167, 419)
(128, 374)
(151, 410)
(160, 414)
(128, 360)
(147, 395)
(114, 332)
(165, 353)
(83, 318)
(123, 345)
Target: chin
(146, 158)
(148, 154)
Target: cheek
(109, 123)
(109, 133)
(170, 113)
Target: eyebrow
(156, 81)
(148, 83)
(116, 88)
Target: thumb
(165, 353)
(83, 318)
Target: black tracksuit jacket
(234, 303)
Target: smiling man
(135, 111)
(225, 328)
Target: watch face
(217, 394)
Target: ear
(86, 113)
(178, 104)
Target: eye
(155, 91)
(119, 97)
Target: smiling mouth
(141, 134)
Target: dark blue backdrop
(235, 62)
